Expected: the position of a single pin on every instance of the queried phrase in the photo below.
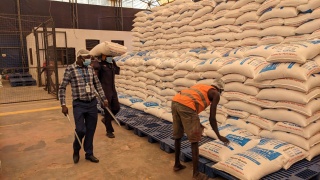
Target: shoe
(76, 157)
(92, 159)
(103, 121)
(110, 135)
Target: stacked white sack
(108, 48)
(230, 24)
(217, 34)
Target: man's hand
(224, 140)
(106, 103)
(64, 110)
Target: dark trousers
(114, 106)
(85, 118)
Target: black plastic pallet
(13, 76)
(303, 170)
(168, 144)
(145, 129)
(29, 81)
(26, 75)
(160, 133)
(126, 113)
(140, 121)
(15, 82)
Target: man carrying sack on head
(186, 105)
(83, 82)
(106, 70)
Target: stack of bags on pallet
(184, 24)
(274, 91)
(266, 52)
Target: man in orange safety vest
(186, 105)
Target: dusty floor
(36, 143)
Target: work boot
(76, 157)
(92, 159)
(110, 135)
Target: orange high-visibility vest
(195, 98)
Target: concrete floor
(36, 143)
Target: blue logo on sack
(233, 118)
(197, 50)
(238, 139)
(135, 100)
(150, 104)
(277, 143)
(124, 96)
(291, 65)
(267, 47)
(268, 154)
(147, 58)
(142, 53)
(264, 141)
(270, 67)
(315, 42)
(224, 127)
(243, 61)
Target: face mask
(87, 62)
(109, 59)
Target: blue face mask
(109, 59)
(87, 62)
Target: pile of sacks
(269, 94)
(266, 52)
(219, 23)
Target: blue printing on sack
(270, 67)
(243, 61)
(150, 104)
(197, 50)
(238, 139)
(135, 100)
(291, 65)
(269, 154)
(147, 58)
(267, 47)
(315, 41)
(234, 118)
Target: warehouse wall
(77, 37)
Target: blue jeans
(85, 118)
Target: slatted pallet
(303, 170)
(15, 82)
(15, 75)
(29, 81)
(160, 133)
(147, 128)
(168, 145)
(18, 75)
(26, 75)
